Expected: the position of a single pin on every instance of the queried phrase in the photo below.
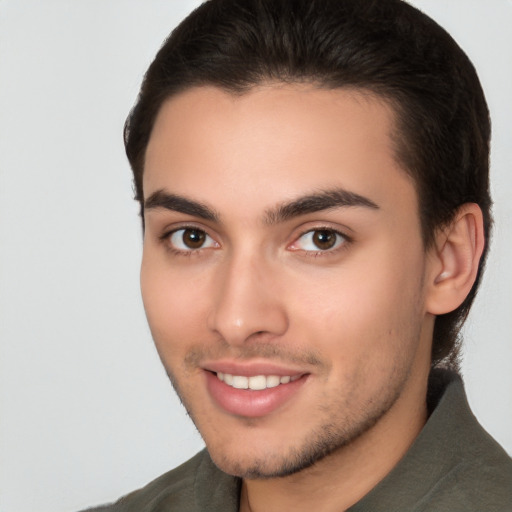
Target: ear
(454, 260)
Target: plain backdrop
(87, 413)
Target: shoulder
(472, 471)
(182, 489)
(482, 477)
(454, 464)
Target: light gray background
(87, 413)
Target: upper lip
(251, 368)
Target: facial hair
(330, 436)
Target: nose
(248, 301)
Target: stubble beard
(326, 439)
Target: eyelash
(345, 241)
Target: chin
(279, 461)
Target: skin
(355, 321)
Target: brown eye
(189, 239)
(324, 239)
(319, 240)
(193, 238)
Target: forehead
(273, 143)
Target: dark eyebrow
(162, 199)
(323, 200)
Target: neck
(341, 479)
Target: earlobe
(455, 260)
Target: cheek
(367, 306)
(174, 306)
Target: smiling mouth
(256, 382)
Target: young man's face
(283, 252)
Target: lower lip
(250, 403)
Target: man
(313, 184)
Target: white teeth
(273, 381)
(240, 382)
(256, 382)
